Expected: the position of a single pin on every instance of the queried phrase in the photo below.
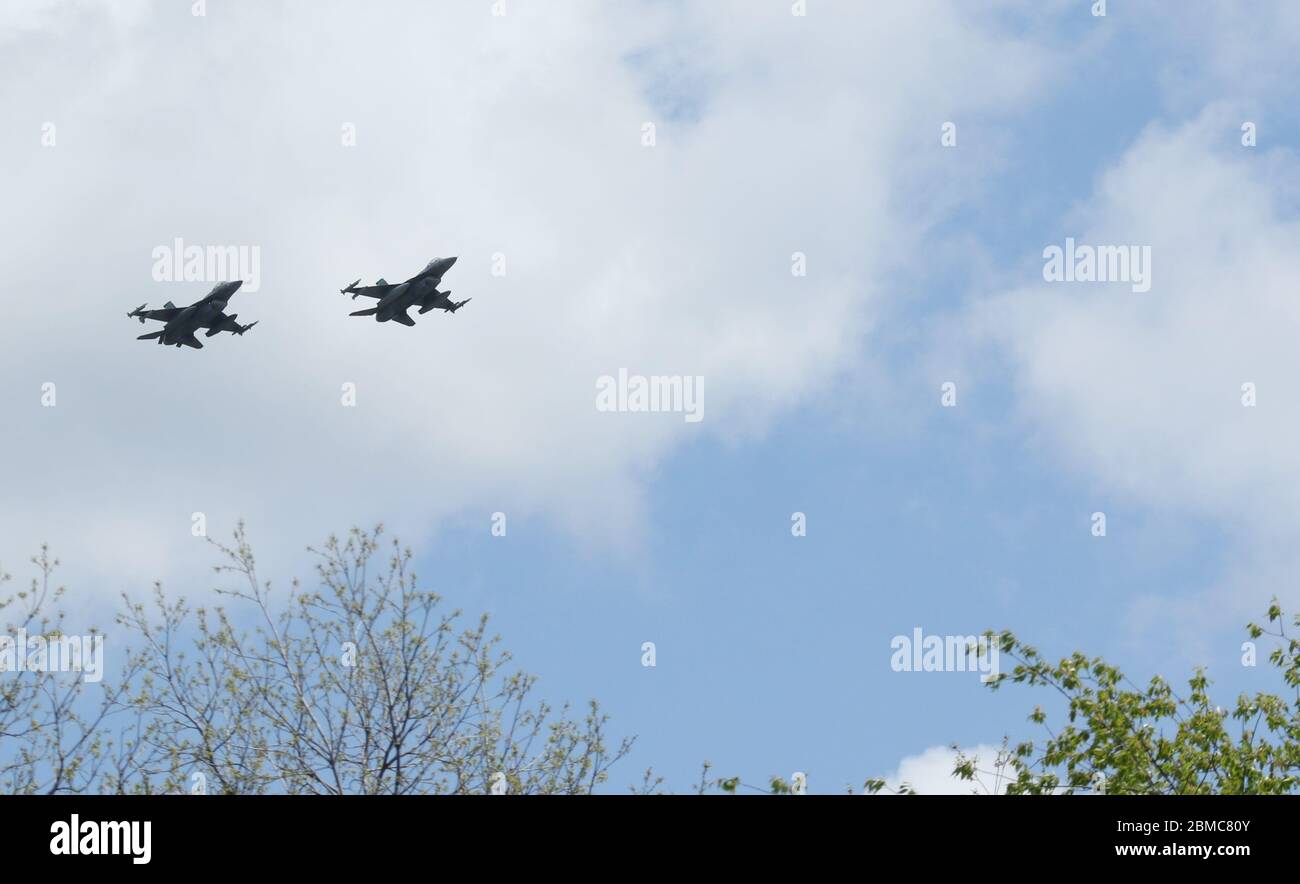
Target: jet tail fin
(151, 336)
(371, 311)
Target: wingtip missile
(351, 288)
(138, 313)
(244, 328)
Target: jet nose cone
(449, 262)
(235, 284)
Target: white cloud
(475, 135)
(1143, 392)
(931, 772)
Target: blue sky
(774, 135)
(773, 650)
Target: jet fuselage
(181, 323)
(200, 314)
(420, 290)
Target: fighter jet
(182, 322)
(420, 290)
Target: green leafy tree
(1119, 737)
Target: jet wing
(164, 314)
(370, 291)
(222, 323)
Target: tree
(364, 685)
(367, 684)
(1122, 738)
(52, 728)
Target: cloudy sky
(798, 234)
